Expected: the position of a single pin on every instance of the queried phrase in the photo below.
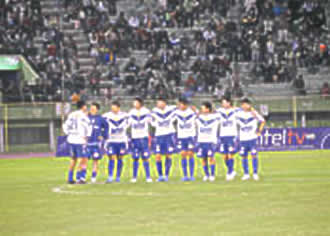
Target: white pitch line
(68, 189)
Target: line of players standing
(180, 128)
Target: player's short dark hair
(140, 100)
(246, 100)
(115, 103)
(227, 99)
(162, 99)
(208, 105)
(97, 105)
(183, 100)
(81, 104)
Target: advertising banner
(272, 139)
(10, 63)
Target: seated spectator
(325, 90)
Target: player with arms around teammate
(162, 120)
(186, 131)
(207, 135)
(99, 133)
(77, 128)
(251, 124)
(116, 144)
(228, 134)
(139, 120)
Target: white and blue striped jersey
(139, 121)
(118, 124)
(186, 123)
(228, 122)
(248, 124)
(207, 128)
(77, 127)
(162, 120)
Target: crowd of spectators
(193, 46)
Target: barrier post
(294, 110)
(6, 127)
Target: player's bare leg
(168, 165)
(159, 166)
(111, 167)
(212, 167)
(72, 166)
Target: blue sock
(245, 164)
(206, 170)
(184, 167)
(227, 165)
(212, 166)
(159, 168)
(83, 174)
(94, 174)
(230, 165)
(70, 176)
(111, 167)
(255, 165)
(135, 168)
(78, 175)
(147, 168)
(168, 164)
(192, 166)
(119, 167)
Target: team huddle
(179, 129)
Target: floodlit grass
(292, 198)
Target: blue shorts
(95, 152)
(205, 150)
(185, 144)
(227, 145)
(164, 144)
(140, 148)
(248, 146)
(116, 149)
(78, 151)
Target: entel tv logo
(285, 137)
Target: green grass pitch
(292, 198)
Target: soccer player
(116, 144)
(99, 134)
(228, 134)
(251, 124)
(186, 131)
(207, 132)
(77, 127)
(162, 120)
(139, 120)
